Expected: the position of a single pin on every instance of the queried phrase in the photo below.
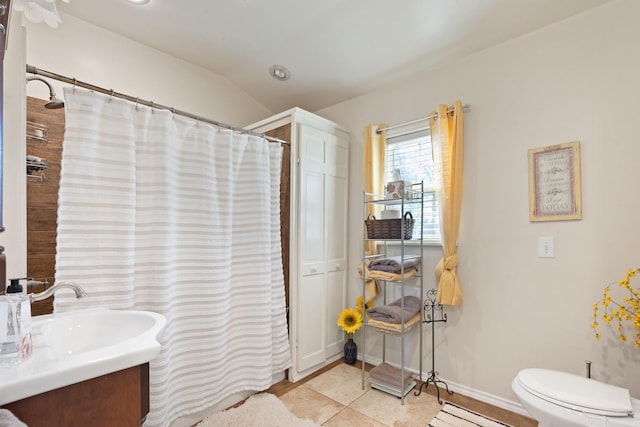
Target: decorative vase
(350, 351)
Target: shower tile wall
(42, 200)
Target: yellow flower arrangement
(628, 311)
(350, 319)
(359, 305)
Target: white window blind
(410, 158)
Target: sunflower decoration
(362, 306)
(628, 311)
(350, 320)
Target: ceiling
(335, 49)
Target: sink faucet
(47, 293)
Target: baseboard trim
(480, 395)
(489, 398)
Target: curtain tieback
(449, 292)
(447, 263)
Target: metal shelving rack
(415, 202)
(37, 134)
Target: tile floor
(335, 399)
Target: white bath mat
(456, 416)
(259, 410)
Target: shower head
(54, 101)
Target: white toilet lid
(577, 393)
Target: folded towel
(390, 277)
(7, 419)
(394, 264)
(395, 312)
(390, 375)
(408, 324)
(371, 288)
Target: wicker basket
(389, 228)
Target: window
(410, 158)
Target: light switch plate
(546, 247)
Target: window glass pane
(430, 219)
(411, 160)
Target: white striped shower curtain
(162, 213)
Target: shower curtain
(163, 213)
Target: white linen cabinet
(316, 186)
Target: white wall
(575, 80)
(88, 53)
(14, 197)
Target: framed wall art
(554, 183)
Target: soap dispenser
(9, 332)
(15, 339)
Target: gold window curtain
(373, 168)
(447, 138)
(374, 151)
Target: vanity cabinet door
(116, 399)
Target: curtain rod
(409, 132)
(33, 70)
(465, 107)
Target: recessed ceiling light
(139, 1)
(279, 72)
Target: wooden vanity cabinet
(116, 399)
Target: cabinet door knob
(337, 266)
(314, 270)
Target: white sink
(76, 346)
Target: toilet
(560, 399)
